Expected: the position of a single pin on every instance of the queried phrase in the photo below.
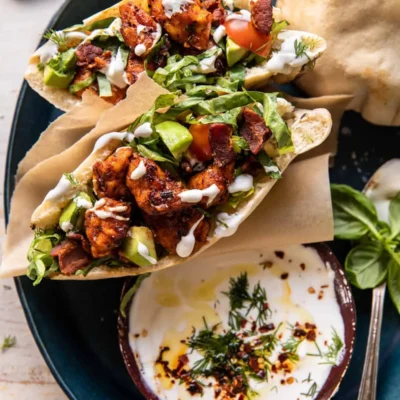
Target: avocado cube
(57, 79)
(175, 136)
(234, 52)
(73, 215)
(139, 247)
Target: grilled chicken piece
(106, 225)
(169, 229)
(261, 15)
(220, 136)
(134, 67)
(155, 192)
(254, 130)
(71, 256)
(81, 75)
(109, 175)
(91, 56)
(190, 27)
(216, 9)
(220, 176)
(138, 27)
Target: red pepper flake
(285, 275)
(310, 326)
(299, 333)
(283, 382)
(283, 357)
(320, 295)
(311, 290)
(266, 328)
(303, 266)
(311, 336)
(137, 335)
(290, 260)
(290, 380)
(280, 254)
(145, 332)
(324, 286)
(267, 264)
(243, 323)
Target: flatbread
(363, 54)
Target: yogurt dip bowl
(252, 324)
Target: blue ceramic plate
(75, 323)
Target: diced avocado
(76, 87)
(60, 70)
(134, 247)
(73, 215)
(234, 53)
(175, 136)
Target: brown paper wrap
(363, 54)
(36, 183)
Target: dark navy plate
(75, 323)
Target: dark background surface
(75, 323)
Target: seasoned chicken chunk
(138, 27)
(109, 175)
(190, 26)
(81, 75)
(222, 177)
(134, 67)
(155, 191)
(169, 229)
(106, 225)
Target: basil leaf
(104, 86)
(102, 24)
(394, 283)
(130, 293)
(366, 266)
(354, 214)
(153, 155)
(394, 216)
(274, 121)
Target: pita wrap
(284, 62)
(309, 128)
(363, 54)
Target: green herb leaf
(8, 342)
(56, 37)
(71, 178)
(239, 143)
(270, 166)
(394, 216)
(153, 155)
(230, 117)
(366, 266)
(354, 214)
(130, 293)
(300, 48)
(76, 87)
(278, 27)
(236, 198)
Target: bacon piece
(91, 56)
(156, 192)
(220, 136)
(133, 18)
(261, 15)
(216, 9)
(71, 256)
(254, 130)
(214, 175)
(80, 238)
(252, 166)
(169, 229)
(109, 175)
(106, 234)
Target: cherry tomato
(246, 35)
(200, 146)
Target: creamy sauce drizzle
(243, 15)
(206, 65)
(140, 49)
(66, 226)
(186, 245)
(143, 130)
(169, 304)
(172, 7)
(115, 71)
(219, 33)
(144, 252)
(108, 212)
(196, 195)
(112, 30)
(83, 203)
(105, 139)
(139, 171)
(62, 187)
(242, 183)
(227, 224)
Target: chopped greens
(56, 37)
(8, 342)
(104, 86)
(71, 178)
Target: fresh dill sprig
(70, 177)
(56, 37)
(8, 342)
(274, 388)
(311, 391)
(333, 349)
(308, 379)
(300, 48)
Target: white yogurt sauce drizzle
(112, 30)
(66, 226)
(139, 171)
(271, 168)
(219, 33)
(172, 7)
(242, 183)
(207, 65)
(63, 186)
(227, 224)
(105, 139)
(196, 195)
(115, 71)
(186, 245)
(169, 304)
(83, 203)
(143, 130)
(144, 252)
(140, 49)
(243, 15)
(108, 212)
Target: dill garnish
(8, 342)
(311, 391)
(300, 48)
(330, 357)
(308, 379)
(56, 37)
(70, 177)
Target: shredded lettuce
(239, 144)
(131, 292)
(277, 27)
(101, 24)
(230, 117)
(41, 262)
(154, 155)
(270, 166)
(104, 86)
(76, 87)
(110, 261)
(236, 198)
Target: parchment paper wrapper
(363, 54)
(301, 219)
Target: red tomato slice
(246, 35)
(200, 146)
